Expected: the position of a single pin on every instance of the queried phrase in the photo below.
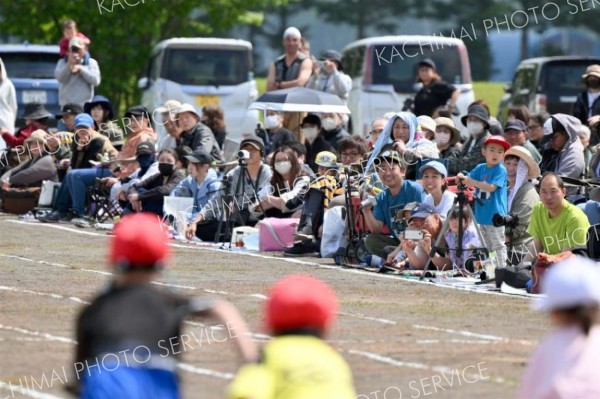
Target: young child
(490, 180)
(470, 240)
(133, 314)
(70, 31)
(566, 363)
(297, 363)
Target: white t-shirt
(445, 204)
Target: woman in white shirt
(441, 199)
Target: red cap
(300, 301)
(497, 139)
(139, 241)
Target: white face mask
(283, 167)
(271, 121)
(474, 128)
(442, 138)
(329, 124)
(310, 133)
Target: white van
(384, 72)
(204, 71)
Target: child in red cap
(490, 180)
(129, 338)
(297, 363)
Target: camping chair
(100, 206)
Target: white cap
(426, 122)
(292, 31)
(548, 127)
(573, 282)
(186, 107)
(170, 106)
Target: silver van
(384, 71)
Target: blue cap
(437, 165)
(84, 120)
(422, 211)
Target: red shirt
(64, 43)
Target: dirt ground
(402, 339)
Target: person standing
(587, 104)
(328, 76)
(8, 103)
(435, 92)
(566, 363)
(76, 77)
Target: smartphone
(413, 235)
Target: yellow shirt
(295, 367)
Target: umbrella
(300, 99)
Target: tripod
(461, 201)
(228, 219)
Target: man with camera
(76, 78)
(391, 169)
(328, 76)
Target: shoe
(298, 236)
(59, 217)
(302, 248)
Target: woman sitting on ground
(284, 198)
(438, 196)
(148, 195)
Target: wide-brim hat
(99, 100)
(36, 111)
(479, 112)
(592, 70)
(186, 107)
(524, 154)
(449, 123)
(333, 55)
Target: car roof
(403, 39)
(202, 42)
(29, 48)
(543, 60)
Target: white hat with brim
(449, 123)
(170, 106)
(568, 284)
(592, 70)
(524, 154)
(426, 122)
(186, 107)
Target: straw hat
(592, 70)
(524, 154)
(449, 123)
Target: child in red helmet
(125, 336)
(297, 363)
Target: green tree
(123, 33)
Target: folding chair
(100, 206)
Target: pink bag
(276, 234)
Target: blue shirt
(201, 192)
(491, 203)
(388, 205)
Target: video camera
(510, 221)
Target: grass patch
(491, 93)
(261, 84)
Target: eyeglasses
(377, 131)
(350, 154)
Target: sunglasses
(75, 49)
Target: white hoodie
(8, 103)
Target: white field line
(475, 335)
(207, 372)
(48, 337)
(51, 295)
(415, 365)
(453, 341)
(26, 392)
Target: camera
(510, 221)
(243, 155)
(369, 201)
(413, 235)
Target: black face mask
(593, 83)
(166, 169)
(145, 160)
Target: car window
(402, 70)
(563, 77)
(352, 61)
(154, 66)
(30, 65)
(524, 79)
(206, 66)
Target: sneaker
(53, 217)
(302, 248)
(298, 236)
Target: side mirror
(143, 83)
(508, 87)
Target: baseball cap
(573, 282)
(437, 165)
(497, 140)
(186, 107)
(74, 109)
(84, 120)
(516, 124)
(427, 62)
(139, 242)
(76, 42)
(548, 130)
(199, 156)
(300, 301)
(255, 142)
(138, 110)
(422, 211)
(145, 148)
(326, 159)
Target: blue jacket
(201, 193)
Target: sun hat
(524, 154)
(449, 123)
(479, 112)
